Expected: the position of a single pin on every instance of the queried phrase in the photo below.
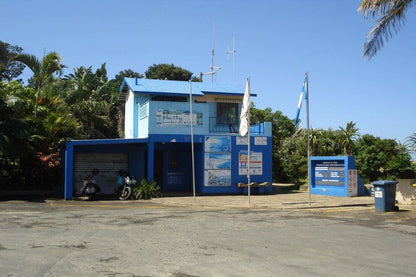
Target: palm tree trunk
(36, 100)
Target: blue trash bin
(385, 195)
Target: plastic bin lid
(384, 183)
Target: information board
(256, 163)
(330, 173)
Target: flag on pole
(303, 96)
(245, 109)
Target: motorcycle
(125, 184)
(89, 186)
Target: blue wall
(235, 177)
(143, 153)
(135, 149)
(182, 143)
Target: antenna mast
(214, 69)
(232, 51)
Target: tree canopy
(9, 69)
(378, 158)
(43, 70)
(168, 72)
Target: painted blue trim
(107, 141)
(167, 93)
(227, 94)
(179, 87)
(150, 160)
(69, 169)
(123, 83)
(135, 117)
(72, 147)
(176, 138)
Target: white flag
(245, 110)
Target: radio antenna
(232, 51)
(214, 69)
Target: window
(227, 113)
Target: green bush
(146, 190)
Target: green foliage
(411, 143)
(30, 146)
(293, 157)
(18, 136)
(9, 69)
(282, 128)
(378, 158)
(43, 70)
(167, 72)
(146, 190)
(93, 101)
(128, 73)
(347, 137)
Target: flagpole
(248, 158)
(192, 139)
(248, 144)
(307, 123)
(245, 129)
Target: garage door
(107, 163)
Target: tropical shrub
(146, 190)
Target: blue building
(157, 143)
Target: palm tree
(326, 146)
(389, 15)
(347, 137)
(42, 70)
(92, 102)
(411, 142)
(314, 135)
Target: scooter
(89, 186)
(125, 183)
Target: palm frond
(30, 61)
(372, 8)
(51, 64)
(391, 15)
(411, 142)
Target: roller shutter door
(108, 164)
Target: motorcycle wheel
(125, 193)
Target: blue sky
(276, 43)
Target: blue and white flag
(303, 96)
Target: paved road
(222, 236)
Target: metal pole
(232, 51)
(307, 123)
(212, 51)
(192, 139)
(248, 144)
(212, 65)
(233, 58)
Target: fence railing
(214, 127)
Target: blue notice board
(330, 173)
(335, 176)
